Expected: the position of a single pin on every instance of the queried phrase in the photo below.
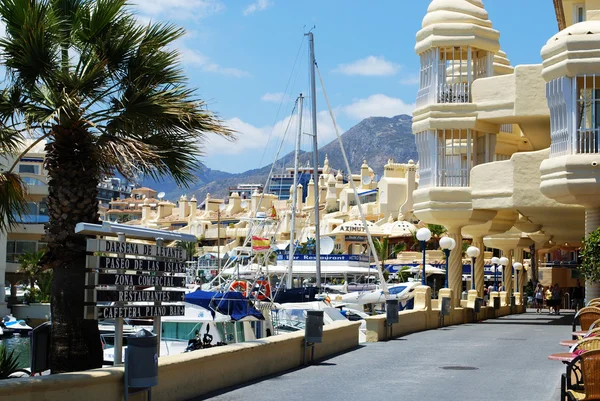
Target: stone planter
(33, 314)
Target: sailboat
(308, 293)
(285, 292)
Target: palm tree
(108, 94)
(29, 264)
(189, 247)
(383, 252)
(436, 232)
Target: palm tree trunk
(73, 170)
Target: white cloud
(195, 58)
(377, 105)
(179, 9)
(411, 79)
(251, 138)
(258, 5)
(277, 97)
(369, 66)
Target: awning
(230, 303)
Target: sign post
(156, 325)
(118, 354)
(130, 280)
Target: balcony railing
(454, 93)
(586, 140)
(32, 219)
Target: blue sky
(240, 55)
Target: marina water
(21, 347)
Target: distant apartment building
(113, 188)
(29, 235)
(122, 210)
(245, 191)
(281, 183)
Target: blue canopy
(230, 303)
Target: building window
(29, 169)
(588, 114)
(578, 13)
(559, 93)
(14, 249)
(36, 213)
(447, 156)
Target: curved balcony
(514, 184)
(518, 98)
(36, 184)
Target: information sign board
(137, 296)
(104, 262)
(133, 248)
(134, 280)
(135, 311)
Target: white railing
(586, 140)
(498, 157)
(508, 128)
(454, 93)
(453, 177)
(423, 96)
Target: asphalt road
(498, 359)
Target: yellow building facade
(508, 155)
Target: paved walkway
(499, 359)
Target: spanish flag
(260, 244)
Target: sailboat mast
(313, 98)
(289, 280)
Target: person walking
(577, 296)
(548, 297)
(556, 298)
(539, 298)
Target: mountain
(374, 139)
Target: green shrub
(32, 295)
(8, 363)
(590, 255)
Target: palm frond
(13, 204)
(30, 48)
(11, 140)
(9, 362)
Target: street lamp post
(517, 266)
(473, 252)
(495, 262)
(503, 264)
(423, 235)
(447, 244)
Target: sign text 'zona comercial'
(139, 280)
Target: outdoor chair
(587, 344)
(593, 300)
(586, 386)
(586, 317)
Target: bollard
(313, 331)
(391, 310)
(445, 309)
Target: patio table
(565, 357)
